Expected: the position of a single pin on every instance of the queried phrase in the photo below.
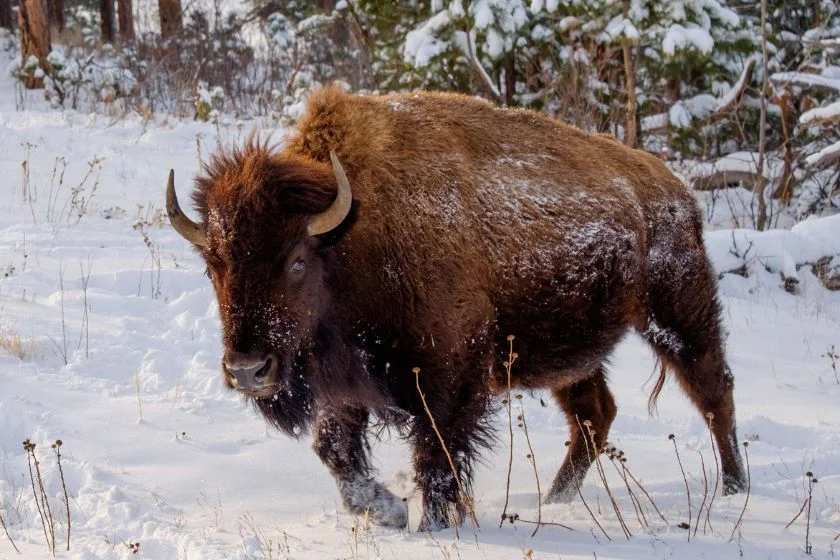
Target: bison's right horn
(330, 218)
(188, 229)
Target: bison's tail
(660, 383)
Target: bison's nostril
(247, 374)
(263, 371)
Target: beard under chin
(291, 409)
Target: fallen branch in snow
(739, 168)
(540, 523)
(726, 178)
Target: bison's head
(264, 217)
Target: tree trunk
(6, 15)
(630, 133)
(126, 20)
(106, 11)
(170, 17)
(783, 98)
(56, 10)
(509, 63)
(758, 189)
(34, 39)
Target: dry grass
(15, 345)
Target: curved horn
(330, 218)
(188, 229)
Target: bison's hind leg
(685, 332)
(590, 410)
(339, 440)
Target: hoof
(564, 496)
(369, 497)
(731, 487)
(432, 525)
(442, 517)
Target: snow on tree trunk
(170, 17)
(106, 12)
(34, 41)
(126, 20)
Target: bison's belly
(565, 325)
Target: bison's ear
(188, 229)
(330, 218)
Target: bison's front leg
(443, 500)
(339, 440)
(444, 474)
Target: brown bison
(420, 231)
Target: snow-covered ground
(119, 337)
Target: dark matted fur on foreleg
(339, 439)
(461, 418)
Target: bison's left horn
(329, 219)
(188, 229)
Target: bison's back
(469, 211)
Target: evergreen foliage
(696, 68)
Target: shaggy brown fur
(469, 223)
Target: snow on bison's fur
(398, 232)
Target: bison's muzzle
(253, 375)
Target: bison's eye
(299, 266)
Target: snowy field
(110, 336)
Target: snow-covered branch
(807, 80)
(822, 115)
(733, 97)
(825, 157)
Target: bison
(378, 262)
